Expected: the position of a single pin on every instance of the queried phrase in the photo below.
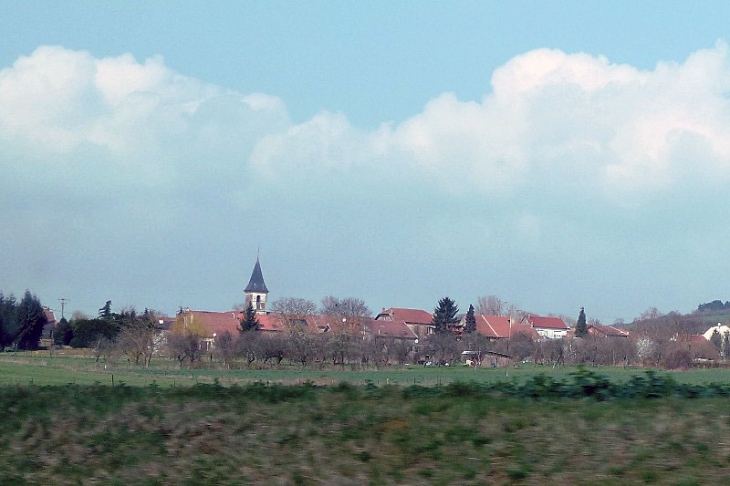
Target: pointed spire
(257, 284)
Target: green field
(64, 423)
(42, 368)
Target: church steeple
(256, 290)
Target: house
(50, 327)
(388, 329)
(495, 360)
(547, 327)
(701, 349)
(599, 330)
(209, 325)
(723, 332)
(500, 327)
(419, 321)
(721, 329)
(276, 322)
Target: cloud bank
(125, 178)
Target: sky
(555, 154)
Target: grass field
(302, 434)
(42, 368)
(64, 423)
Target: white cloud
(551, 118)
(559, 136)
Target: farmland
(44, 368)
(66, 424)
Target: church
(211, 324)
(255, 292)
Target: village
(344, 332)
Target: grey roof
(256, 284)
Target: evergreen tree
(471, 322)
(8, 320)
(87, 332)
(581, 328)
(249, 322)
(63, 334)
(106, 311)
(31, 320)
(444, 316)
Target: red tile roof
(213, 322)
(270, 323)
(498, 327)
(411, 316)
(275, 322)
(49, 316)
(540, 322)
(691, 338)
(220, 322)
(385, 328)
(608, 331)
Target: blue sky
(556, 154)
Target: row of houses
(395, 322)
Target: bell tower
(256, 291)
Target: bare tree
(294, 306)
(490, 305)
(520, 346)
(183, 341)
(375, 352)
(615, 351)
(348, 314)
(136, 338)
(302, 347)
(274, 348)
(399, 350)
(226, 348)
(185, 348)
(341, 347)
(443, 348)
(477, 344)
(294, 312)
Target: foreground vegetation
(650, 428)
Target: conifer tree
(31, 320)
(444, 316)
(581, 328)
(8, 320)
(64, 333)
(249, 322)
(471, 322)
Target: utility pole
(63, 305)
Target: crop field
(64, 423)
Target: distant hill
(713, 312)
(715, 305)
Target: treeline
(127, 332)
(21, 323)
(341, 349)
(715, 305)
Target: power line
(63, 305)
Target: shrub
(677, 359)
